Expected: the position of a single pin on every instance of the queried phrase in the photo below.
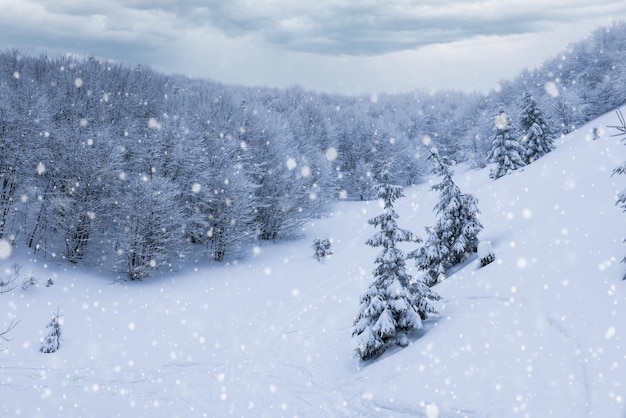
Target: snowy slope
(537, 333)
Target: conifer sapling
(52, 341)
(321, 247)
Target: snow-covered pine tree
(321, 248)
(52, 342)
(506, 151)
(538, 139)
(394, 304)
(455, 233)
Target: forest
(133, 171)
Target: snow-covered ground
(537, 333)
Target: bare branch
(621, 128)
(9, 282)
(3, 334)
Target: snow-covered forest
(110, 165)
(156, 257)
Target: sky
(334, 46)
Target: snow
(484, 249)
(537, 333)
(331, 154)
(552, 89)
(5, 249)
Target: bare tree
(9, 328)
(9, 281)
(621, 169)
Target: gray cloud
(336, 45)
(327, 27)
(376, 27)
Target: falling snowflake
(331, 154)
(153, 123)
(552, 89)
(78, 82)
(196, 187)
(432, 411)
(5, 249)
(41, 168)
(306, 171)
(291, 163)
(610, 332)
(502, 121)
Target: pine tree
(506, 151)
(538, 139)
(52, 342)
(455, 233)
(394, 304)
(321, 248)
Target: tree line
(116, 166)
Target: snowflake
(153, 123)
(502, 121)
(610, 332)
(5, 249)
(552, 89)
(331, 154)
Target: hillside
(537, 333)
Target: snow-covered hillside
(539, 332)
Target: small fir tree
(321, 247)
(538, 139)
(455, 233)
(52, 342)
(394, 304)
(506, 151)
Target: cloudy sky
(343, 46)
